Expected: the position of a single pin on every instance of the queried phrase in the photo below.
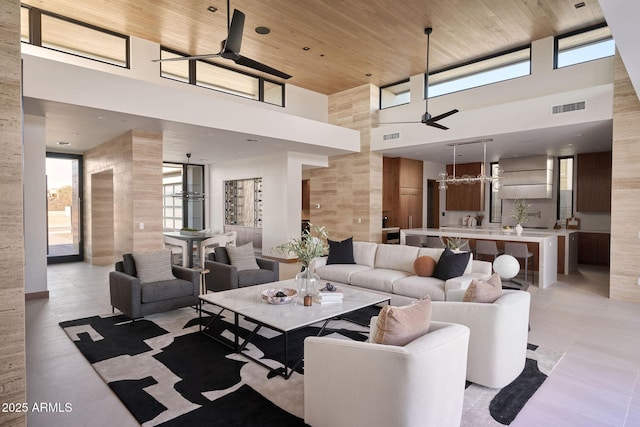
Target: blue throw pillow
(451, 264)
(341, 252)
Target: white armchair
(352, 383)
(499, 332)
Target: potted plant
(311, 244)
(520, 214)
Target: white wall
(298, 102)
(35, 208)
(281, 175)
(522, 103)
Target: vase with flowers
(520, 214)
(311, 244)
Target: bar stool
(435, 242)
(487, 247)
(415, 240)
(520, 251)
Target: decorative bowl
(279, 295)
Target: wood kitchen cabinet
(593, 248)
(402, 192)
(466, 197)
(594, 182)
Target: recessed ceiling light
(100, 117)
(65, 143)
(263, 30)
(306, 48)
(212, 9)
(579, 5)
(368, 74)
(251, 140)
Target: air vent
(389, 136)
(557, 109)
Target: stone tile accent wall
(625, 189)
(349, 191)
(123, 189)
(12, 350)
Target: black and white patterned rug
(167, 373)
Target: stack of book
(329, 297)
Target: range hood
(527, 178)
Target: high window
(493, 69)
(565, 188)
(584, 45)
(395, 94)
(52, 31)
(217, 77)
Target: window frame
(573, 177)
(491, 218)
(477, 61)
(35, 35)
(391, 85)
(557, 39)
(193, 78)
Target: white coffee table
(284, 318)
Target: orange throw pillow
(401, 325)
(424, 266)
(481, 291)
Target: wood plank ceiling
(346, 39)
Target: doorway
(64, 208)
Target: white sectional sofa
(389, 268)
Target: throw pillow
(451, 264)
(481, 291)
(153, 266)
(221, 255)
(401, 325)
(341, 252)
(243, 257)
(129, 265)
(424, 266)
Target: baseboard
(36, 295)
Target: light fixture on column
(189, 195)
(446, 179)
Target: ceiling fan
(230, 48)
(427, 119)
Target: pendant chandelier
(446, 179)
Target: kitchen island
(544, 245)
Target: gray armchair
(137, 299)
(223, 276)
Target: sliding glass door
(64, 208)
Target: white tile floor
(595, 383)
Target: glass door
(64, 208)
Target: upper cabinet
(466, 197)
(594, 182)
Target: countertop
(500, 230)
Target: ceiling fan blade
(442, 116)
(247, 62)
(234, 39)
(189, 58)
(397, 123)
(436, 125)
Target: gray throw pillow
(154, 266)
(242, 257)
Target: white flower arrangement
(311, 244)
(520, 212)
